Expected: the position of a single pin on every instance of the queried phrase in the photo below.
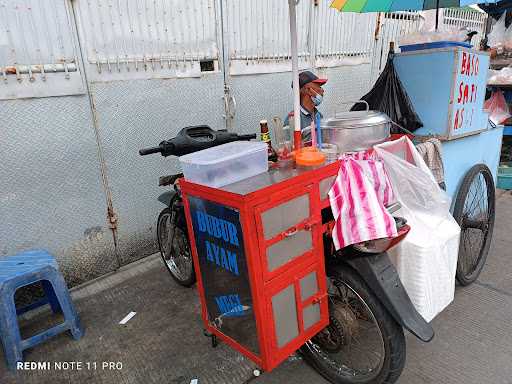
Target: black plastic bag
(389, 96)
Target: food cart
(262, 280)
(447, 87)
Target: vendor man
(311, 95)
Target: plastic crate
(225, 164)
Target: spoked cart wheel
(474, 211)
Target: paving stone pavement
(163, 342)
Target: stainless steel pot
(357, 130)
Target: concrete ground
(164, 343)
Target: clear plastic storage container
(225, 164)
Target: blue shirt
(306, 118)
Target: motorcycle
(368, 306)
(172, 233)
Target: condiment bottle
(265, 137)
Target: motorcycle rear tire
(392, 336)
(185, 281)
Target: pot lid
(356, 119)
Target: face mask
(317, 99)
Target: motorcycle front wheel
(175, 248)
(363, 344)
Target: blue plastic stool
(21, 270)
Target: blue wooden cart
(447, 88)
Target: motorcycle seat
(169, 180)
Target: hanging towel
(358, 199)
(430, 151)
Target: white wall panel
(38, 57)
(466, 18)
(392, 26)
(258, 35)
(260, 30)
(127, 39)
(343, 34)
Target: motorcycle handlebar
(247, 137)
(149, 151)
(193, 139)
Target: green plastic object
(505, 176)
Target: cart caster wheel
(256, 372)
(213, 338)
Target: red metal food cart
(258, 249)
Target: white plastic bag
(497, 35)
(426, 260)
(415, 182)
(503, 76)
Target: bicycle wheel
(475, 212)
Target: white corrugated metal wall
(38, 57)
(258, 36)
(259, 30)
(127, 39)
(147, 39)
(52, 195)
(340, 35)
(143, 61)
(152, 67)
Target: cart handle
(291, 232)
(354, 102)
(403, 129)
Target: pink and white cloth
(358, 199)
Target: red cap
(307, 77)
